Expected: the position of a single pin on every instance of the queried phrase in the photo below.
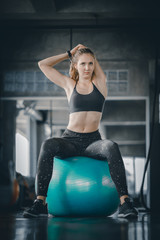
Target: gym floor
(14, 226)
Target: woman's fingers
(76, 48)
(81, 46)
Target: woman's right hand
(76, 48)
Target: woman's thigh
(59, 147)
(67, 149)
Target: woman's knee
(109, 144)
(50, 143)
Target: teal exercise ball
(81, 186)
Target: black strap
(69, 54)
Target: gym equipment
(81, 186)
(15, 192)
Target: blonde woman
(86, 92)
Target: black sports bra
(93, 101)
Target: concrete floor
(14, 226)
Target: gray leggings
(80, 144)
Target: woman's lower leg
(109, 150)
(50, 148)
(45, 168)
(122, 198)
(43, 198)
(117, 171)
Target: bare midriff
(84, 122)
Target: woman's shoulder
(70, 83)
(69, 87)
(99, 80)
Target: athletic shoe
(38, 209)
(127, 209)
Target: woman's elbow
(39, 64)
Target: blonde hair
(73, 73)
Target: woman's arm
(101, 78)
(52, 61)
(99, 72)
(46, 66)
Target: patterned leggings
(80, 144)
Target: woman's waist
(83, 128)
(75, 134)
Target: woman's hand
(76, 48)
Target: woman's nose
(86, 67)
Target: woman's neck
(84, 81)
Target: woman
(86, 92)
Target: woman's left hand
(76, 48)
(81, 46)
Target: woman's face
(85, 66)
